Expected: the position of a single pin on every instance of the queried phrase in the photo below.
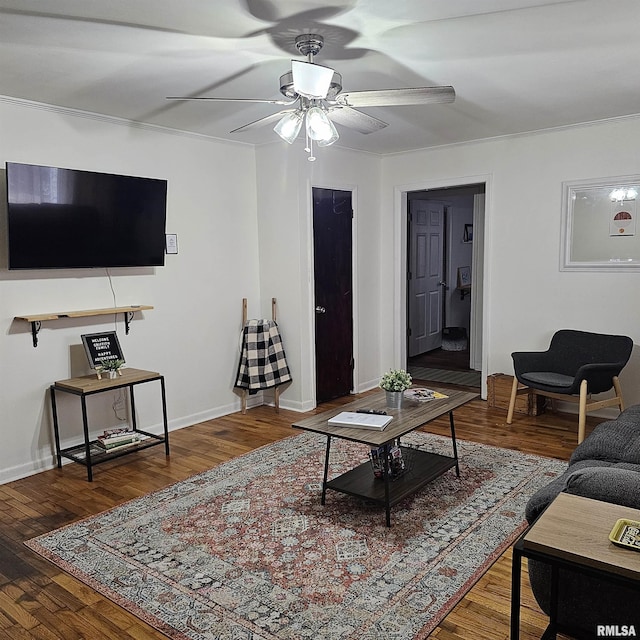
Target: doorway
(333, 288)
(444, 304)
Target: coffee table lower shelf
(423, 467)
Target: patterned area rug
(246, 551)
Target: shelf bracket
(35, 320)
(128, 317)
(35, 328)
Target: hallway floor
(450, 367)
(441, 359)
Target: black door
(332, 242)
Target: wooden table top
(412, 415)
(577, 529)
(91, 384)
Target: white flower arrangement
(395, 380)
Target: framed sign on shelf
(102, 348)
(464, 277)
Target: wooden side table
(88, 453)
(573, 533)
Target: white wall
(526, 296)
(243, 219)
(285, 181)
(191, 335)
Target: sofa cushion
(608, 484)
(614, 440)
(544, 496)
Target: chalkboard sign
(102, 347)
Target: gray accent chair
(576, 365)
(606, 466)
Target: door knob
(320, 310)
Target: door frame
(400, 207)
(354, 286)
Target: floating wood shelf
(36, 320)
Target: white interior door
(426, 263)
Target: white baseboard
(368, 385)
(46, 460)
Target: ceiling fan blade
(284, 103)
(274, 117)
(357, 120)
(396, 97)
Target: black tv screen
(68, 218)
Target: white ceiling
(516, 65)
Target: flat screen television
(69, 219)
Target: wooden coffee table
(573, 532)
(424, 467)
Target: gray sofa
(605, 466)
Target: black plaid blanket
(262, 360)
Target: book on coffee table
(360, 420)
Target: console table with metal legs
(88, 452)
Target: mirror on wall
(599, 224)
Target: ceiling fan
(316, 100)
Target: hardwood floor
(442, 359)
(37, 600)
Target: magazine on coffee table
(422, 394)
(360, 420)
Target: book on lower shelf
(117, 438)
(361, 420)
(116, 444)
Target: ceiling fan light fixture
(320, 128)
(289, 126)
(325, 142)
(311, 80)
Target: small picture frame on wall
(464, 277)
(622, 218)
(468, 233)
(171, 243)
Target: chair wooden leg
(276, 399)
(618, 390)
(582, 417)
(512, 400)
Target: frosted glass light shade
(289, 126)
(311, 80)
(320, 128)
(325, 142)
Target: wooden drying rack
(245, 392)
